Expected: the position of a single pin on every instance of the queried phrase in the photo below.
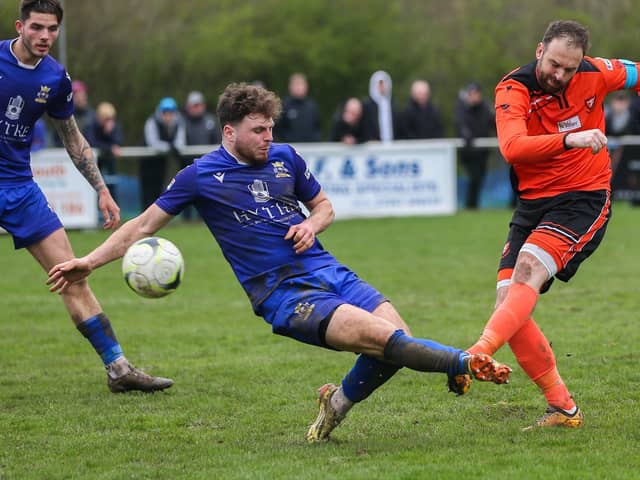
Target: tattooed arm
(83, 158)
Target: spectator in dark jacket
(201, 125)
(201, 128)
(105, 135)
(379, 118)
(421, 118)
(347, 124)
(474, 119)
(300, 120)
(164, 132)
(622, 119)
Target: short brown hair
(40, 6)
(241, 99)
(577, 35)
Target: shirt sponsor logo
(43, 94)
(569, 124)
(14, 108)
(260, 191)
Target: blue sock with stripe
(98, 331)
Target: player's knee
(530, 270)
(77, 289)
(378, 337)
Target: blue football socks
(424, 355)
(366, 375)
(98, 331)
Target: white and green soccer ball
(153, 267)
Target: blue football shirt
(26, 93)
(249, 210)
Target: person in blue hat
(165, 133)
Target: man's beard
(249, 156)
(545, 82)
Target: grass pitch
(243, 397)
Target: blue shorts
(301, 307)
(26, 214)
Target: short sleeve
(306, 185)
(61, 106)
(181, 192)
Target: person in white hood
(379, 116)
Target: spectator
(618, 122)
(347, 124)
(473, 119)
(40, 136)
(421, 118)
(201, 125)
(105, 134)
(201, 129)
(379, 118)
(300, 120)
(620, 119)
(82, 110)
(165, 133)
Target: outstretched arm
(114, 247)
(83, 158)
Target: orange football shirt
(531, 126)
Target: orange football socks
(535, 356)
(507, 319)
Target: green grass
(244, 397)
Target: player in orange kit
(550, 123)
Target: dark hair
(240, 99)
(576, 34)
(40, 6)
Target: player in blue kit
(33, 83)
(247, 193)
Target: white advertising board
(67, 191)
(377, 180)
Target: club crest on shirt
(569, 124)
(14, 108)
(260, 191)
(590, 102)
(279, 170)
(43, 95)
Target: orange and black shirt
(532, 124)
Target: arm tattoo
(80, 152)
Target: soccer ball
(153, 267)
